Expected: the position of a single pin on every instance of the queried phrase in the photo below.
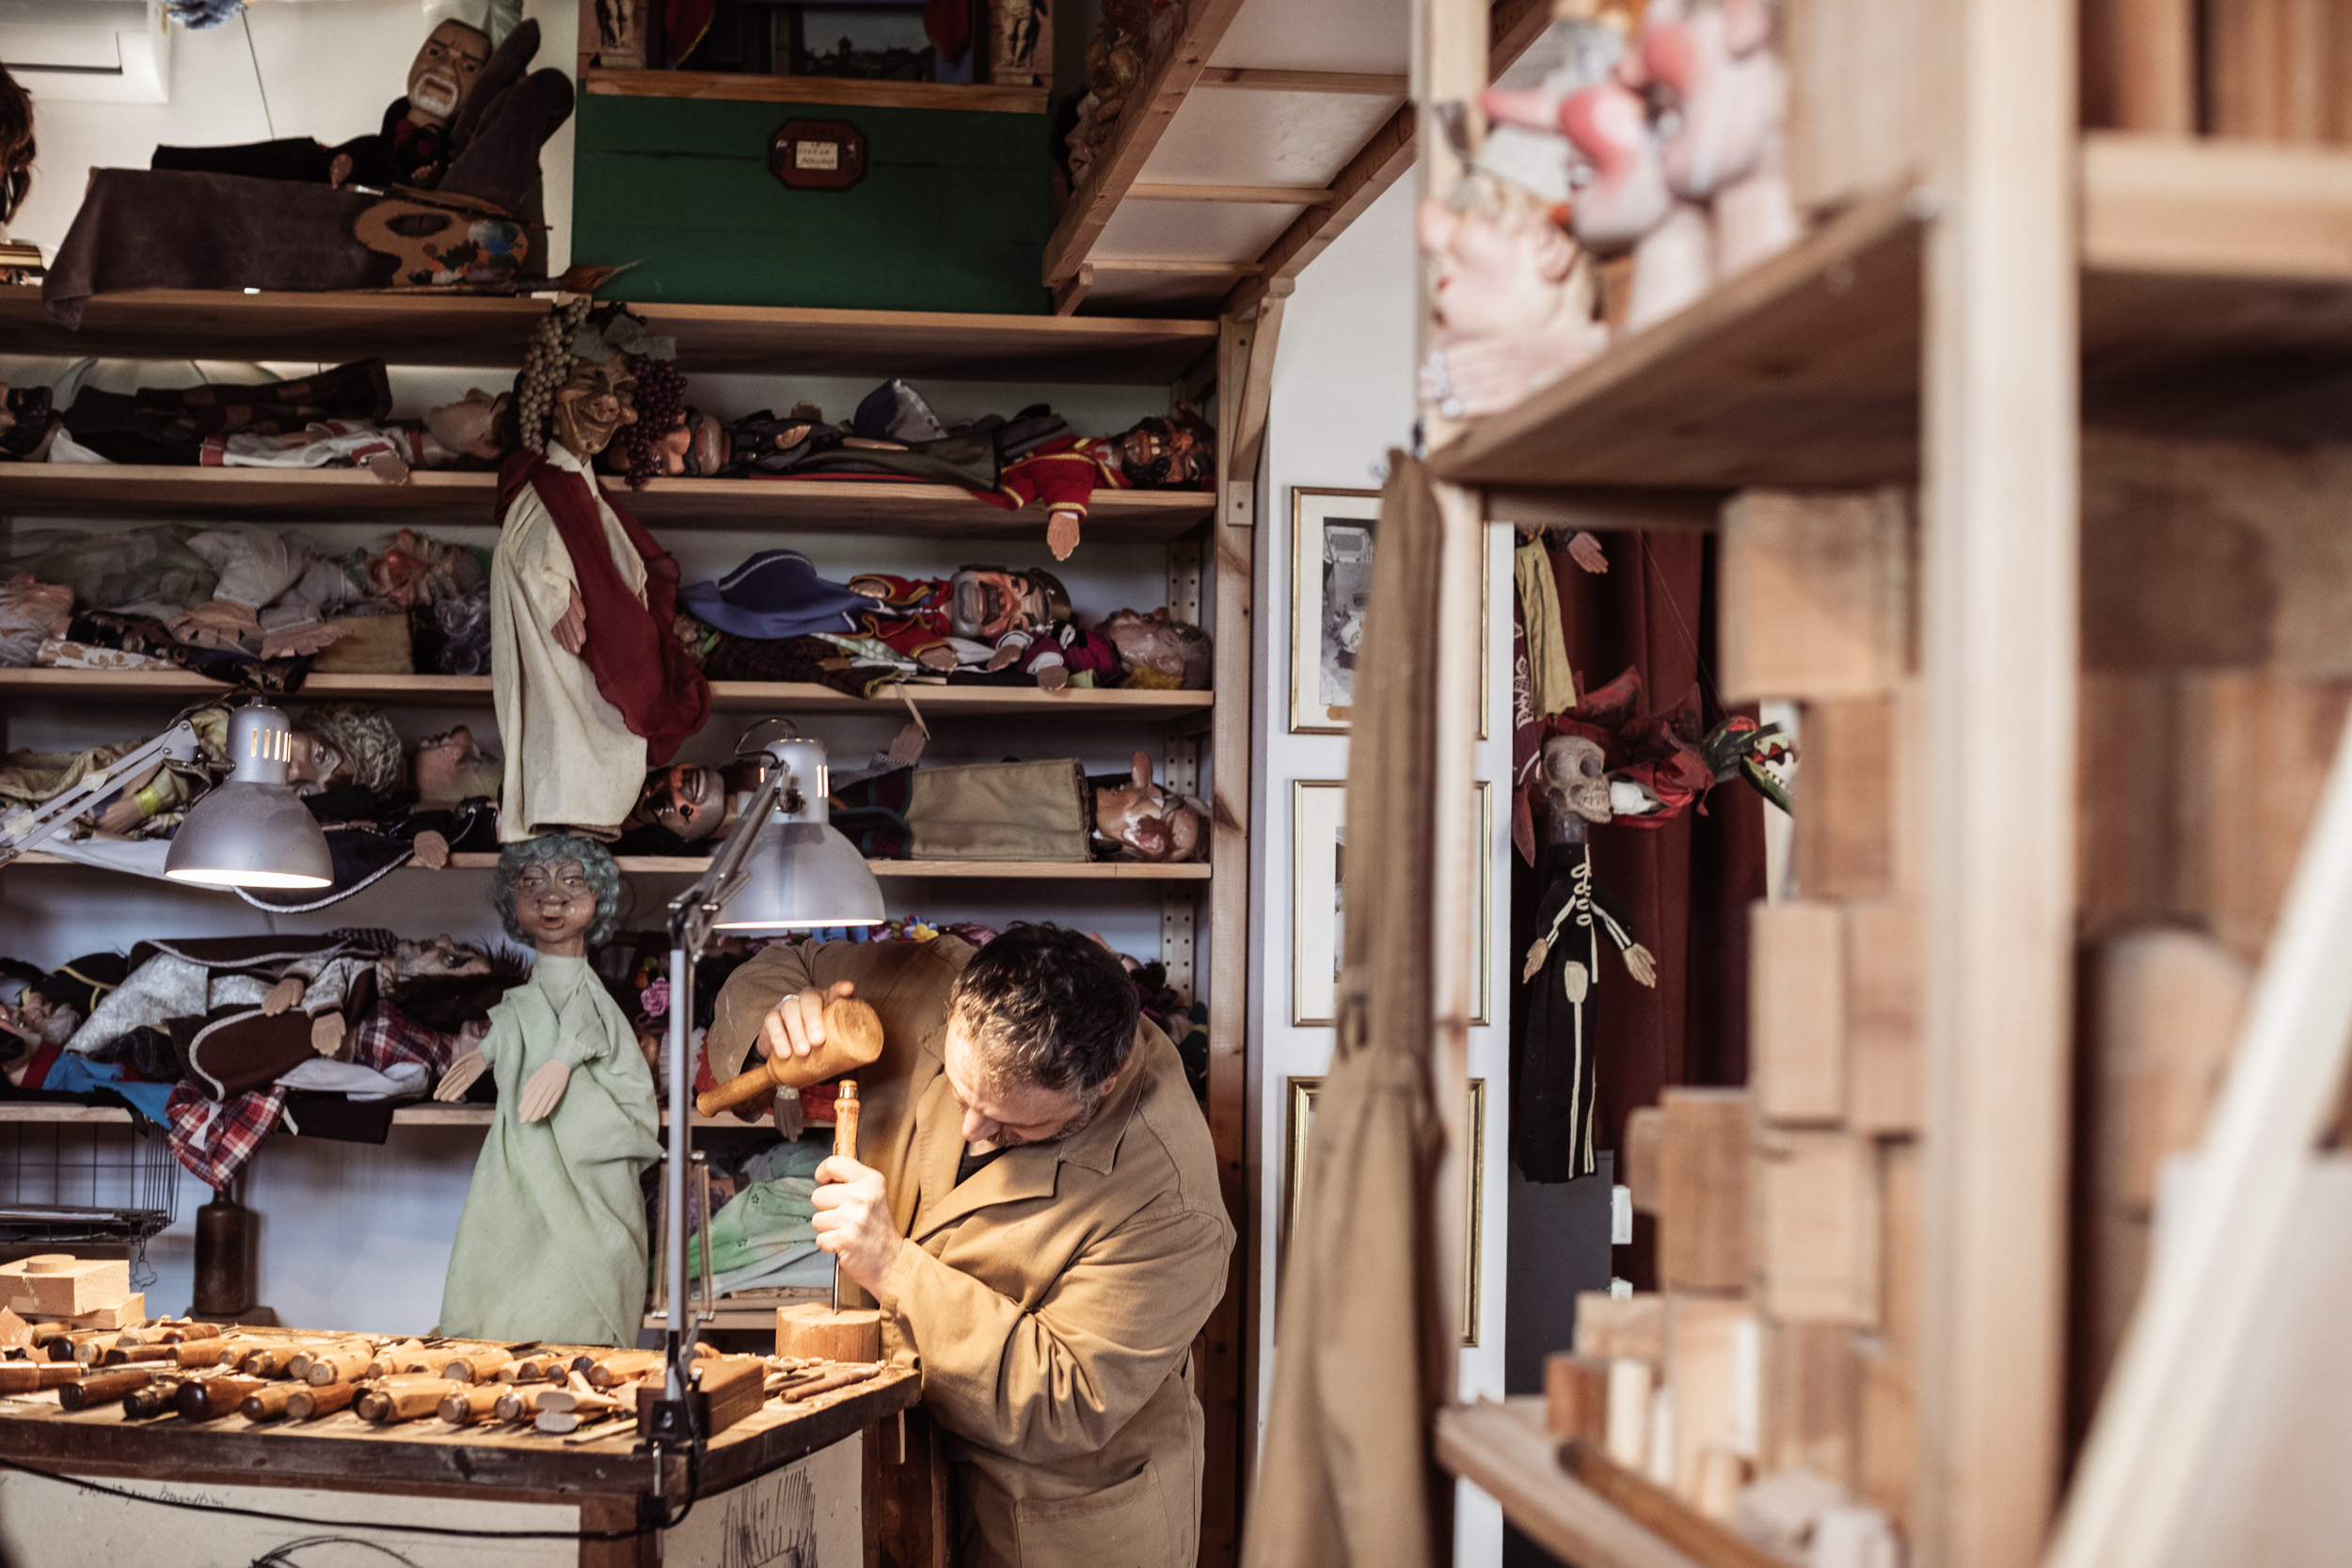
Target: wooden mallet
(853, 1038)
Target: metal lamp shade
(252, 830)
(803, 876)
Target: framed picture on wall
(1318, 896)
(1301, 1118)
(1318, 887)
(1331, 540)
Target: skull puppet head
(1576, 780)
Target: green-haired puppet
(552, 1245)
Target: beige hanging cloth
(1346, 1476)
(1550, 682)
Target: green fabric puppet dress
(552, 1245)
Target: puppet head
(1575, 780)
(557, 890)
(1162, 454)
(443, 72)
(473, 427)
(1150, 823)
(346, 743)
(593, 404)
(986, 602)
(450, 767)
(1160, 652)
(1500, 264)
(17, 148)
(578, 383)
(432, 958)
(689, 800)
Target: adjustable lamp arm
(26, 831)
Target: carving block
(1890, 1432)
(1713, 1355)
(1885, 1060)
(2169, 1004)
(1859, 108)
(1816, 1228)
(1899, 1246)
(1702, 1190)
(56, 1286)
(1575, 1396)
(1632, 1326)
(1816, 594)
(1845, 839)
(1812, 1401)
(1797, 1011)
(1632, 1384)
(813, 1329)
(1644, 1130)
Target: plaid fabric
(215, 1138)
(388, 1036)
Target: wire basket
(64, 1185)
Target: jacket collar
(1030, 1171)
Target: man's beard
(1071, 1129)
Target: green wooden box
(952, 215)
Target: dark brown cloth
(1345, 1477)
(638, 662)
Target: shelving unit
(970, 871)
(425, 1114)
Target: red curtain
(1687, 884)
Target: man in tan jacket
(1035, 1210)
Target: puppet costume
(581, 729)
(552, 1245)
(1551, 1117)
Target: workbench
(821, 1482)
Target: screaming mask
(986, 602)
(442, 74)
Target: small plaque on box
(817, 154)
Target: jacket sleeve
(1060, 1382)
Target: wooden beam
(1999, 571)
(849, 92)
(1248, 442)
(1357, 84)
(1601, 509)
(1068, 296)
(1511, 26)
(1279, 196)
(2203, 207)
(1149, 111)
(1171, 266)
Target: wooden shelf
(473, 330)
(2215, 300)
(787, 506)
(423, 1114)
(795, 697)
(694, 865)
(1504, 1450)
(846, 91)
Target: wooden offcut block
(56, 1286)
(2168, 1004)
(1712, 1370)
(1887, 1459)
(2138, 66)
(1703, 1191)
(15, 1333)
(1899, 1259)
(1632, 1388)
(813, 1329)
(1816, 594)
(1645, 1129)
(1811, 1409)
(1797, 1030)
(1575, 1396)
(1632, 1327)
(1816, 1219)
(1859, 108)
(1885, 1056)
(1846, 799)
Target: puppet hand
(327, 1034)
(1586, 552)
(797, 1024)
(852, 1220)
(339, 172)
(1641, 965)
(282, 995)
(460, 1076)
(570, 630)
(1061, 533)
(432, 851)
(544, 1091)
(942, 658)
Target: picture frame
(1332, 535)
(1298, 1119)
(1318, 884)
(1318, 871)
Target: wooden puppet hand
(327, 1034)
(544, 1091)
(1641, 965)
(432, 851)
(570, 630)
(1586, 552)
(852, 1220)
(282, 995)
(1061, 533)
(460, 1076)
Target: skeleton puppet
(1552, 1120)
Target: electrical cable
(280, 1557)
(692, 1484)
(244, 20)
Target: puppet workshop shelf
(795, 506)
(1502, 1450)
(936, 701)
(473, 330)
(424, 1114)
(694, 865)
(2217, 300)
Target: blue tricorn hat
(775, 595)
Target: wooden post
(1999, 605)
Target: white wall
(1343, 396)
(323, 68)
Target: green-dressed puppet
(552, 1245)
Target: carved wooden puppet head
(1575, 784)
(595, 401)
(443, 72)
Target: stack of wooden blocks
(1783, 1334)
(58, 1288)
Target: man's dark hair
(1049, 1007)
